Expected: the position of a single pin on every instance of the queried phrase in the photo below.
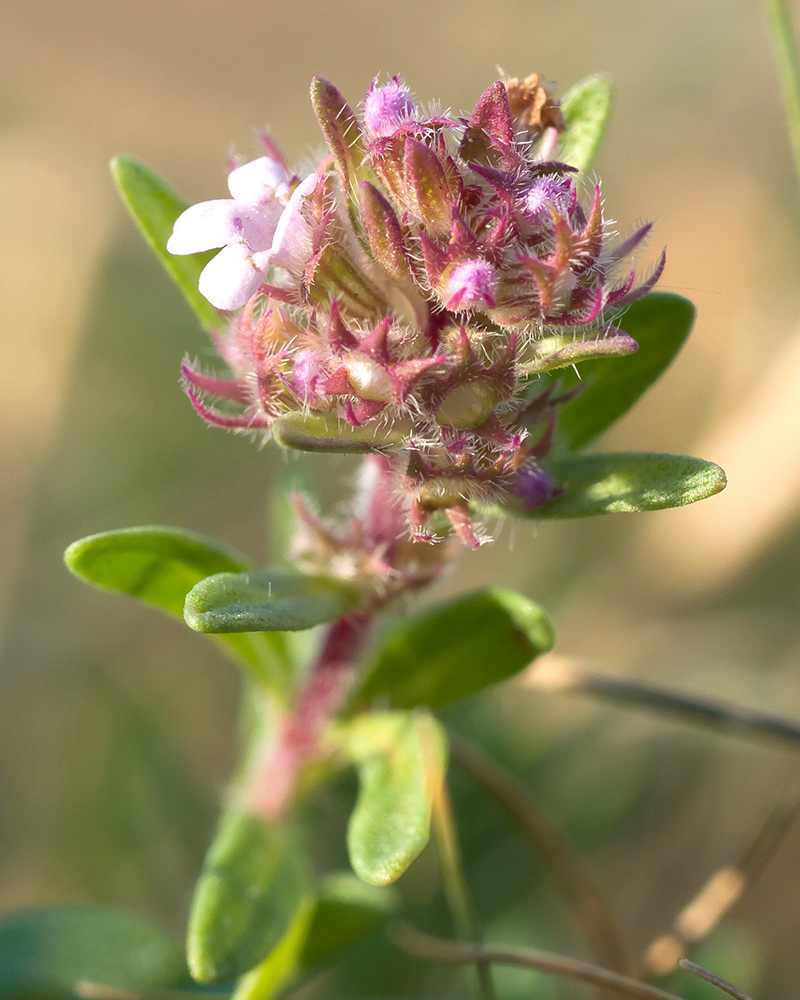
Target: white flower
(259, 227)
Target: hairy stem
(589, 909)
(455, 885)
(439, 950)
(275, 780)
(784, 47)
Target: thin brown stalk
(455, 885)
(714, 979)
(722, 891)
(589, 909)
(556, 673)
(438, 950)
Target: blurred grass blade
(45, 951)
(269, 601)
(254, 885)
(346, 913)
(586, 108)
(401, 759)
(154, 207)
(659, 323)
(275, 972)
(784, 46)
(628, 483)
(453, 650)
(159, 566)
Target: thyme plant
(444, 295)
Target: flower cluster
(413, 287)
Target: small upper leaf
(586, 108)
(269, 601)
(254, 884)
(154, 207)
(627, 483)
(160, 566)
(659, 323)
(401, 759)
(455, 649)
(46, 951)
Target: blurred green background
(118, 728)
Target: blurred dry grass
(96, 434)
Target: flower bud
(388, 107)
(471, 284)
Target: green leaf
(328, 433)
(401, 759)
(45, 951)
(453, 650)
(269, 601)
(586, 108)
(348, 912)
(659, 323)
(628, 483)
(254, 884)
(160, 566)
(154, 207)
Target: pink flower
(259, 227)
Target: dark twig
(715, 980)
(589, 909)
(438, 950)
(723, 890)
(553, 673)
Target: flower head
(408, 294)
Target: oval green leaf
(401, 759)
(328, 433)
(254, 884)
(628, 483)
(455, 649)
(659, 323)
(586, 108)
(45, 951)
(269, 601)
(154, 207)
(160, 565)
(280, 967)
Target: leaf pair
(190, 576)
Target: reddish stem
(275, 780)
